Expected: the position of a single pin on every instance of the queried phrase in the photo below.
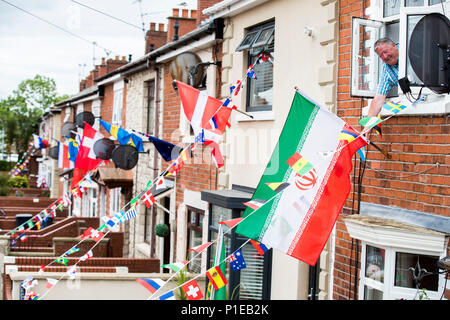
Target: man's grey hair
(382, 41)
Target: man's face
(388, 53)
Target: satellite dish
(429, 52)
(84, 116)
(67, 128)
(125, 157)
(53, 152)
(103, 148)
(186, 68)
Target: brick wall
(155, 38)
(416, 143)
(186, 23)
(199, 173)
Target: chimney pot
(175, 12)
(117, 57)
(152, 26)
(185, 13)
(161, 27)
(194, 14)
(103, 61)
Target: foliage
(181, 278)
(162, 230)
(18, 182)
(4, 184)
(6, 165)
(20, 112)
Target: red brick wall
(202, 5)
(416, 143)
(186, 24)
(199, 173)
(155, 38)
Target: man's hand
(374, 110)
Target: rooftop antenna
(142, 14)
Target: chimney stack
(155, 38)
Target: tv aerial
(429, 53)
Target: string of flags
(22, 164)
(216, 124)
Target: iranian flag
(316, 164)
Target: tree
(20, 113)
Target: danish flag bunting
(148, 199)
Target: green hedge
(18, 182)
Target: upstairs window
(396, 20)
(259, 91)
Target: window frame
(389, 289)
(200, 215)
(118, 103)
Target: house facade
(396, 215)
(395, 224)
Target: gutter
(230, 8)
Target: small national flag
(394, 107)
(151, 285)
(160, 183)
(261, 248)
(71, 250)
(148, 199)
(237, 261)
(123, 136)
(92, 233)
(130, 214)
(299, 164)
(167, 150)
(50, 283)
(255, 204)
(176, 266)
(167, 296)
(192, 290)
(71, 272)
(231, 223)
(61, 260)
(87, 256)
(201, 247)
(278, 186)
(349, 134)
(42, 268)
(216, 277)
(369, 121)
(251, 73)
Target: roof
(86, 92)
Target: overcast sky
(29, 46)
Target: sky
(29, 46)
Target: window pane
(391, 7)
(195, 239)
(252, 276)
(375, 263)
(219, 214)
(372, 294)
(264, 37)
(412, 21)
(260, 89)
(248, 40)
(407, 265)
(414, 3)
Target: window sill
(257, 116)
(433, 105)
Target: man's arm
(376, 104)
(374, 110)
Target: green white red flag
(299, 219)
